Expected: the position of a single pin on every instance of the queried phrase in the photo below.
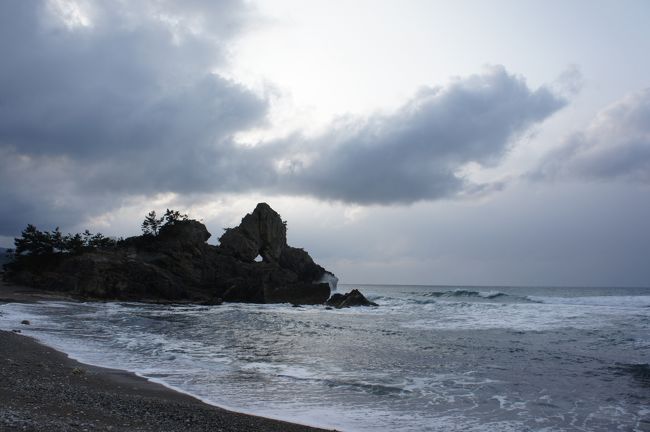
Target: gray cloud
(119, 88)
(129, 106)
(615, 145)
(416, 153)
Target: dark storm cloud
(416, 153)
(128, 105)
(116, 89)
(38, 190)
(615, 145)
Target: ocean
(429, 358)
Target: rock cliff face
(260, 233)
(263, 233)
(178, 264)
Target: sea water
(429, 358)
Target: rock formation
(178, 264)
(260, 233)
(353, 298)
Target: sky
(421, 142)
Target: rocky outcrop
(353, 298)
(299, 262)
(286, 274)
(178, 265)
(185, 232)
(260, 233)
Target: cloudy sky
(425, 142)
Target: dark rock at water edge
(213, 302)
(263, 233)
(353, 298)
(178, 265)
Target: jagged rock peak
(261, 232)
(353, 298)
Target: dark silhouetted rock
(297, 293)
(178, 265)
(353, 298)
(260, 233)
(213, 302)
(184, 232)
(298, 261)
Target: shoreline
(10, 293)
(43, 389)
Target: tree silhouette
(57, 240)
(173, 216)
(151, 224)
(74, 243)
(34, 242)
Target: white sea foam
(282, 370)
(419, 362)
(611, 301)
(330, 279)
(525, 317)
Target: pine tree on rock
(151, 224)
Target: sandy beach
(41, 389)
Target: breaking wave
(480, 295)
(428, 359)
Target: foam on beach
(426, 358)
